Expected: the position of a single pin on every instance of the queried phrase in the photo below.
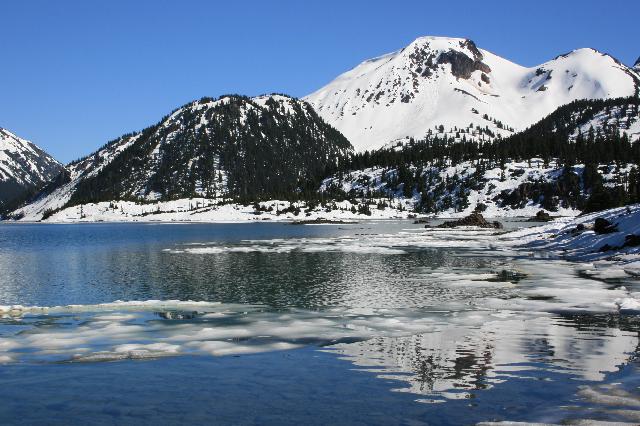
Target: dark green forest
(235, 147)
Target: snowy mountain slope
(520, 190)
(610, 255)
(58, 193)
(231, 146)
(23, 167)
(624, 117)
(449, 81)
(582, 156)
(585, 119)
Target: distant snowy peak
(636, 66)
(451, 82)
(24, 168)
(23, 162)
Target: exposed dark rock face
(606, 247)
(634, 76)
(603, 226)
(579, 229)
(463, 66)
(469, 44)
(474, 219)
(464, 92)
(424, 59)
(406, 97)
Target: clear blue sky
(75, 74)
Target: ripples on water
(442, 316)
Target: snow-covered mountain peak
(586, 56)
(23, 168)
(636, 66)
(23, 161)
(9, 142)
(450, 82)
(283, 101)
(582, 74)
(444, 44)
(429, 55)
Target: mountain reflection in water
(440, 317)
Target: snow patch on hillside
(623, 118)
(371, 187)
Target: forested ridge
(231, 147)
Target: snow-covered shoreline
(609, 250)
(579, 239)
(207, 210)
(202, 210)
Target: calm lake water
(269, 323)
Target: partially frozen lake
(372, 323)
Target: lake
(379, 322)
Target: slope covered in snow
(625, 118)
(582, 239)
(520, 189)
(233, 146)
(581, 157)
(450, 82)
(607, 242)
(23, 167)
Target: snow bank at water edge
(594, 236)
(211, 210)
(607, 243)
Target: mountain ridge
(24, 168)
